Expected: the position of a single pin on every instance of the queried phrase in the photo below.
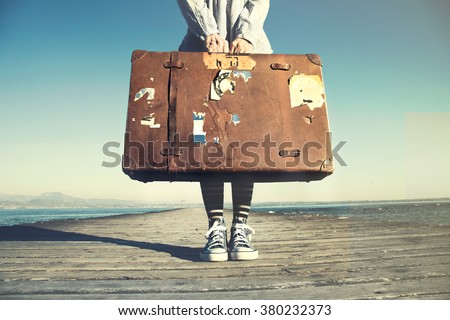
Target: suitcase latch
(171, 152)
(172, 64)
(289, 153)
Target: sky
(64, 81)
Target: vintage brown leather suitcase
(192, 116)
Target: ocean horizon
(427, 212)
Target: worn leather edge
(137, 55)
(314, 58)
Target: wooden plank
(308, 257)
(231, 289)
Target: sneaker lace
(216, 235)
(242, 235)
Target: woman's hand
(240, 45)
(215, 43)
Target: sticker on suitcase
(222, 84)
(306, 90)
(141, 93)
(199, 121)
(235, 119)
(150, 121)
(225, 61)
(246, 75)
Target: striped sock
(212, 193)
(242, 192)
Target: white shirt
(229, 18)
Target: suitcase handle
(280, 66)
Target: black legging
(212, 192)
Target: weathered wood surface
(155, 256)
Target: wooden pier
(156, 256)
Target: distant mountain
(60, 200)
(56, 196)
(56, 199)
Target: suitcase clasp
(171, 152)
(289, 153)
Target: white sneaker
(216, 247)
(239, 247)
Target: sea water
(9, 217)
(426, 212)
